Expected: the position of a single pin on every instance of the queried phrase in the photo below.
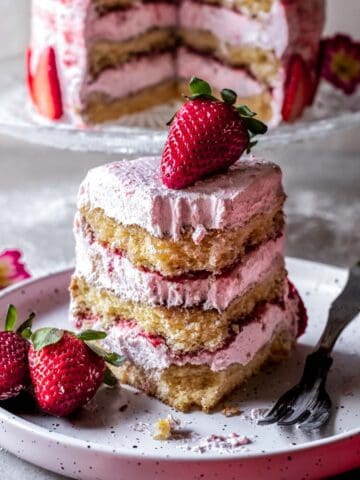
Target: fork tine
(295, 416)
(278, 411)
(320, 415)
(315, 420)
(281, 408)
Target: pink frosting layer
(132, 76)
(126, 339)
(132, 193)
(124, 24)
(103, 268)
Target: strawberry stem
(199, 86)
(109, 357)
(11, 318)
(201, 90)
(245, 111)
(25, 328)
(109, 378)
(46, 336)
(228, 96)
(88, 335)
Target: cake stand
(145, 133)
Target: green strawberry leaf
(255, 126)
(46, 336)
(250, 146)
(88, 335)
(10, 319)
(109, 378)
(25, 328)
(245, 111)
(229, 96)
(198, 86)
(109, 357)
(114, 359)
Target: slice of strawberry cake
(92, 61)
(181, 258)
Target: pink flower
(340, 62)
(12, 270)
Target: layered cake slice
(181, 258)
(92, 61)
(190, 285)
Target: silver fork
(308, 403)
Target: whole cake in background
(92, 61)
(181, 258)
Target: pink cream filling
(288, 28)
(237, 79)
(269, 33)
(103, 268)
(132, 77)
(127, 339)
(124, 24)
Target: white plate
(104, 443)
(145, 133)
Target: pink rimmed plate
(112, 437)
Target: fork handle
(343, 310)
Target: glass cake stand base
(145, 133)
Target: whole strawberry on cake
(180, 259)
(92, 61)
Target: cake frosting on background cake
(111, 58)
(190, 284)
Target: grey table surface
(38, 188)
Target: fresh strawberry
(14, 371)
(66, 370)
(298, 89)
(206, 136)
(46, 86)
(29, 76)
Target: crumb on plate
(165, 427)
(231, 411)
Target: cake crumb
(231, 411)
(165, 427)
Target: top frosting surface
(132, 193)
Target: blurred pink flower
(340, 62)
(12, 270)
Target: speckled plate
(112, 437)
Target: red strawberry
(206, 136)
(14, 371)
(65, 371)
(29, 76)
(46, 86)
(298, 89)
